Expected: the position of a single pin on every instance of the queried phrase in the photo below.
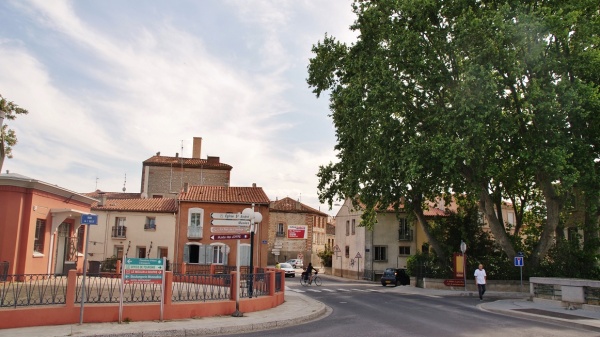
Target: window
(195, 223)
(40, 233)
(220, 254)
(119, 230)
(404, 250)
(572, 234)
(81, 239)
(404, 231)
(150, 223)
(353, 226)
(141, 252)
(347, 227)
(163, 252)
(510, 218)
(244, 254)
(347, 251)
(380, 253)
(280, 232)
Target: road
(360, 309)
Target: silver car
(288, 269)
(296, 263)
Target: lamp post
(255, 218)
(463, 249)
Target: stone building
(164, 177)
(296, 231)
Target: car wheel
(383, 284)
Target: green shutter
(186, 254)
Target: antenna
(125, 182)
(96, 183)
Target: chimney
(213, 160)
(158, 153)
(176, 154)
(253, 184)
(102, 199)
(197, 147)
(186, 186)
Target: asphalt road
(372, 310)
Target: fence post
(234, 286)
(271, 275)
(184, 268)
(168, 289)
(118, 267)
(71, 288)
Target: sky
(108, 83)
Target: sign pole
(85, 254)
(162, 300)
(121, 288)
(463, 249)
(237, 312)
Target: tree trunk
(486, 205)
(418, 210)
(553, 207)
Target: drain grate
(551, 314)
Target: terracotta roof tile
(289, 205)
(222, 194)
(186, 162)
(158, 205)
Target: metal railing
(119, 231)
(32, 289)
(254, 285)
(106, 289)
(547, 291)
(201, 287)
(277, 282)
(194, 232)
(4, 265)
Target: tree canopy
(499, 100)
(8, 138)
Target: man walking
(480, 280)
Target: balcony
(405, 235)
(119, 232)
(150, 226)
(194, 232)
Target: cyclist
(309, 272)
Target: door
(62, 246)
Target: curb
(534, 317)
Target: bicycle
(304, 280)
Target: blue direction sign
(518, 261)
(89, 219)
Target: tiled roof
(222, 194)
(186, 162)
(289, 205)
(113, 195)
(158, 205)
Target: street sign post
(358, 257)
(86, 219)
(143, 271)
(519, 262)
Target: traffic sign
(230, 222)
(518, 261)
(137, 270)
(230, 230)
(358, 256)
(230, 237)
(89, 219)
(230, 216)
(336, 249)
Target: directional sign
(518, 261)
(230, 237)
(230, 222)
(230, 230)
(138, 270)
(230, 216)
(89, 219)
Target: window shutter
(244, 255)
(202, 255)
(186, 253)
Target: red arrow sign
(230, 237)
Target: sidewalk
(298, 309)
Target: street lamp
(255, 218)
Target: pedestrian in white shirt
(480, 280)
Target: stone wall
(167, 181)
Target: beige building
(296, 231)
(143, 228)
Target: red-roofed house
(143, 228)
(296, 231)
(164, 177)
(202, 229)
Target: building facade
(40, 226)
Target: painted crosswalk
(329, 290)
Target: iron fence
(592, 295)
(106, 289)
(254, 285)
(32, 289)
(201, 287)
(277, 282)
(4, 265)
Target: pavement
(299, 309)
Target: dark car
(395, 277)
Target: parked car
(395, 277)
(288, 269)
(296, 263)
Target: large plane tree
(8, 138)
(495, 99)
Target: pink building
(40, 226)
